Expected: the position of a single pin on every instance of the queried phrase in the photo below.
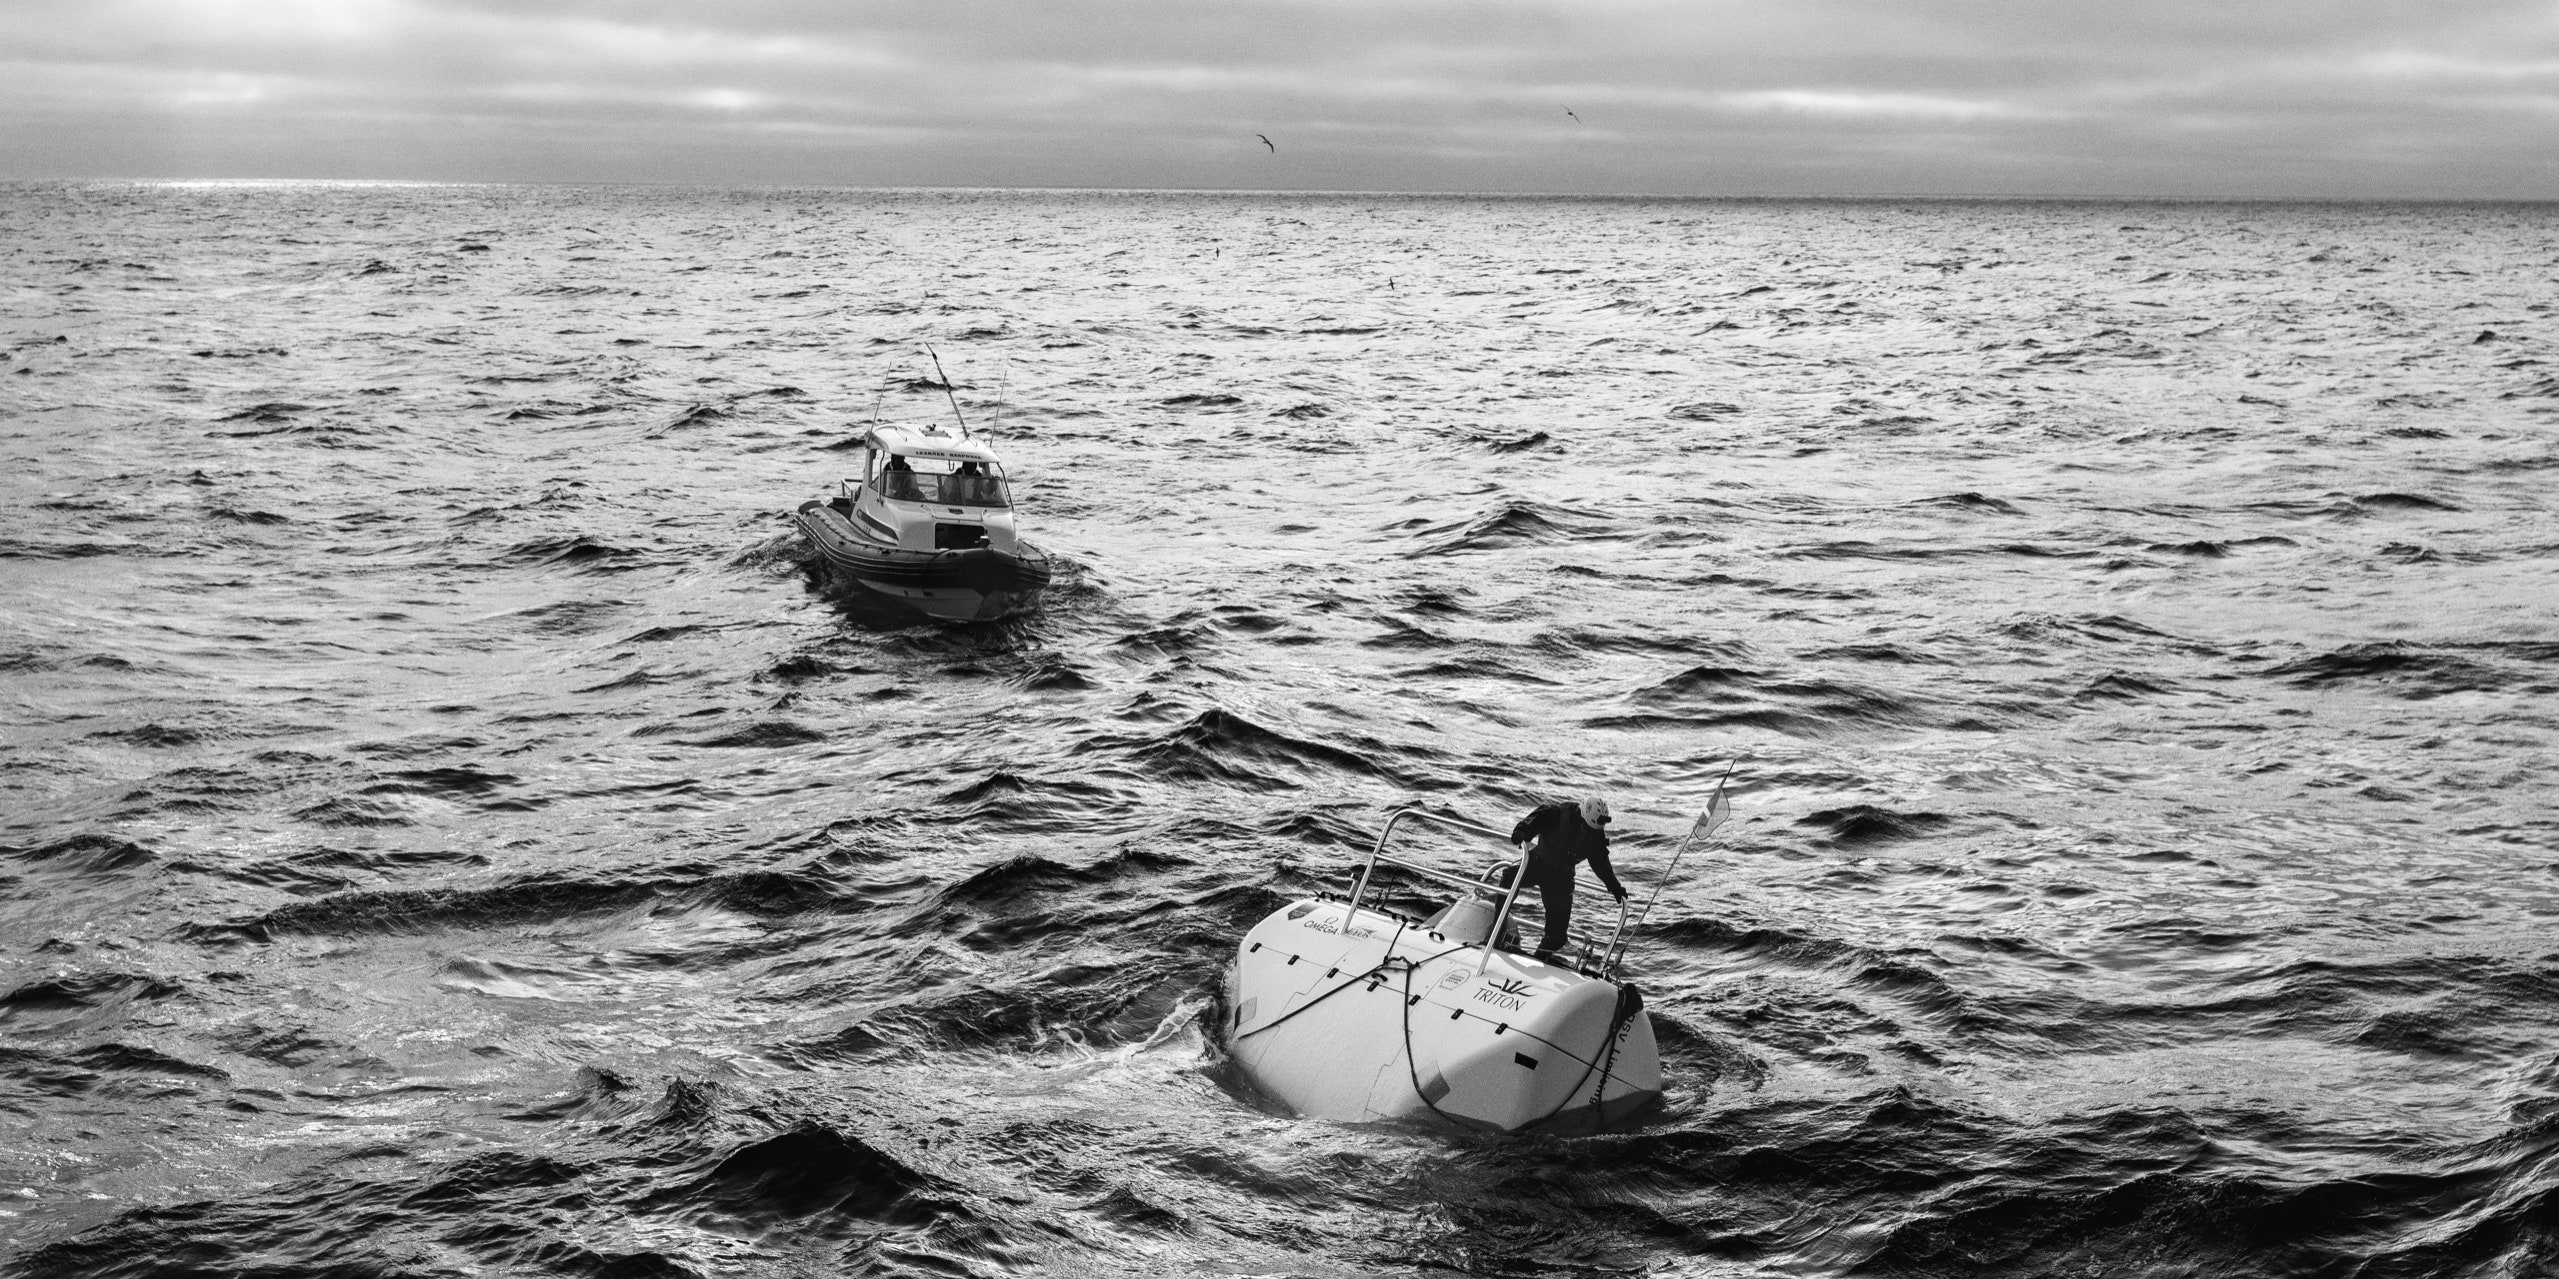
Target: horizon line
(1345, 192)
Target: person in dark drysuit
(1567, 835)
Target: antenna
(946, 390)
(1003, 378)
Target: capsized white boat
(1346, 1010)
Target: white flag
(1715, 814)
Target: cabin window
(942, 482)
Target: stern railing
(1609, 952)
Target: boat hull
(1376, 1018)
(979, 584)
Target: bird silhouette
(1569, 111)
(1268, 143)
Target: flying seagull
(1268, 143)
(1569, 111)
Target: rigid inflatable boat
(929, 524)
(1344, 1009)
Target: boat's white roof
(911, 443)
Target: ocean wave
(1220, 746)
(2404, 670)
(1512, 522)
(1862, 825)
(84, 854)
(573, 551)
(1727, 697)
(532, 900)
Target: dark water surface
(443, 830)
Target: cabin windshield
(942, 482)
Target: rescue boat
(928, 524)
(1345, 1009)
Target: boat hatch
(958, 537)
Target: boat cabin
(926, 491)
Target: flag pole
(1717, 809)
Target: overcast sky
(2137, 97)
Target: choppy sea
(446, 828)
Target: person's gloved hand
(1618, 892)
